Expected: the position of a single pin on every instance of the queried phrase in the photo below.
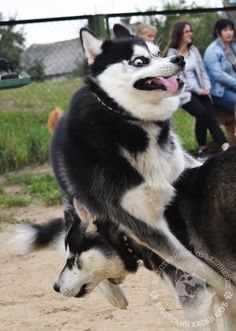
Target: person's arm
(204, 76)
(190, 88)
(212, 63)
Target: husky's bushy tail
(32, 237)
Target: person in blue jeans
(220, 64)
(196, 97)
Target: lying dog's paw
(114, 294)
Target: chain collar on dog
(107, 102)
(119, 111)
(104, 105)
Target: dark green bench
(14, 83)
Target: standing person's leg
(194, 108)
(211, 122)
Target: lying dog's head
(132, 72)
(92, 258)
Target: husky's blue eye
(139, 61)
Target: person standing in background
(195, 98)
(147, 32)
(220, 63)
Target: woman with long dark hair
(195, 98)
(220, 63)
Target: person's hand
(205, 91)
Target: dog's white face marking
(118, 81)
(82, 273)
(153, 48)
(157, 66)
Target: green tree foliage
(11, 44)
(36, 71)
(203, 26)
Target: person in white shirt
(195, 98)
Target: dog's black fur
(102, 155)
(206, 205)
(201, 216)
(203, 212)
(122, 162)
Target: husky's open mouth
(171, 84)
(85, 290)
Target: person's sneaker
(202, 155)
(225, 146)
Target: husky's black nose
(56, 287)
(178, 59)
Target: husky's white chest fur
(157, 163)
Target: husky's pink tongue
(170, 83)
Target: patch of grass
(45, 188)
(14, 201)
(31, 188)
(183, 124)
(39, 97)
(22, 147)
(7, 218)
(10, 219)
(24, 136)
(24, 139)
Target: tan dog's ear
(85, 216)
(53, 118)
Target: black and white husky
(202, 217)
(114, 151)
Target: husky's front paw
(114, 294)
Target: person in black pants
(201, 107)
(196, 98)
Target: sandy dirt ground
(29, 303)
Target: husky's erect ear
(91, 45)
(86, 217)
(121, 32)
